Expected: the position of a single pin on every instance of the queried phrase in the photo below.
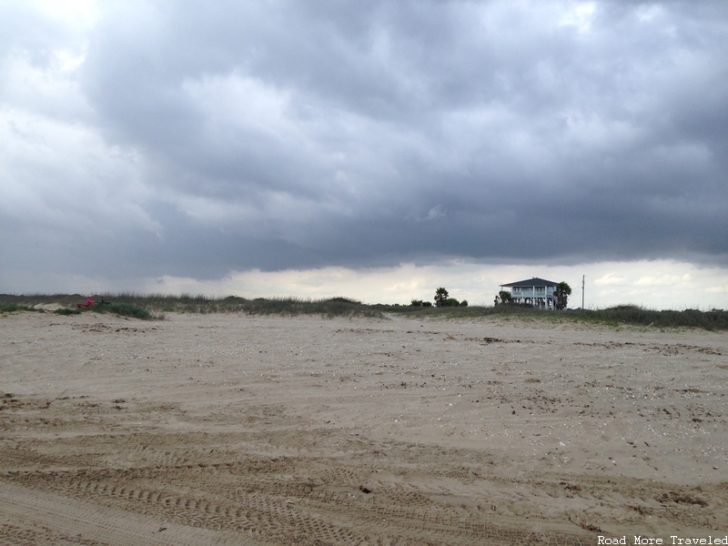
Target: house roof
(528, 283)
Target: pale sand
(231, 429)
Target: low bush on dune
(126, 310)
(66, 311)
(121, 309)
(340, 299)
(14, 308)
(11, 308)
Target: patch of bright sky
(81, 14)
(78, 17)
(579, 16)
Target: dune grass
(14, 308)
(14, 303)
(150, 306)
(330, 307)
(126, 310)
(716, 319)
(121, 309)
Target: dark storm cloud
(299, 134)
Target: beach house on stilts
(536, 292)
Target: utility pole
(583, 277)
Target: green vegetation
(14, 308)
(70, 305)
(290, 306)
(121, 309)
(441, 297)
(716, 319)
(339, 299)
(561, 295)
(125, 310)
(11, 308)
(151, 306)
(504, 296)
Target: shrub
(65, 311)
(505, 296)
(13, 308)
(125, 310)
(339, 299)
(441, 296)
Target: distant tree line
(442, 299)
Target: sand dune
(231, 429)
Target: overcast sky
(370, 149)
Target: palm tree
(505, 296)
(561, 295)
(441, 296)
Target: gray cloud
(197, 139)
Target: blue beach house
(536, 292)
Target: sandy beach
(233, 429)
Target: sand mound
(48, 307)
